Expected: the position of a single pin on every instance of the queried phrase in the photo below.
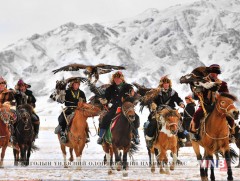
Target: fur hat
(21, 82)
(214, 68)
(163, 80)
(76, 80)
(2, 80)
(117, 74)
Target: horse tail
(233, 155)
(34, 148)
(133, 149)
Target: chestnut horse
(5, 115)
(122, 136)
(167, 139)
(214, 134)
(77, 132)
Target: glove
(103, 100)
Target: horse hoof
(65, 166)
(162, 171)
(152, 169)
(125, 174)
(172, 167)
(204, 178)
(70, 159)
(110, 172)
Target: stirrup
(136, 140)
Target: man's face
(2, 86)
(22, 88)
(166, 85)
(213, 75)
(118, 80)
(75, 86)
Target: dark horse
(122, 136)
(5, 115)
(214, 134)
(24, 135)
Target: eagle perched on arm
(90, 70)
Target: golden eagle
(90, 70)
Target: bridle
(5, 116)
(126, 111)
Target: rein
(204, 128)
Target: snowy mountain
(150, 45)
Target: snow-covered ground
(47, 163)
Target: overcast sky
(23, 18)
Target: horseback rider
(72, 97)
(188, 114)
(208, 98)
(166, 97)
(115, 94)
(7, 97)
(25, 96)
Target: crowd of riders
(119, 91)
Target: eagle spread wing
(71, 67)
(81, 79)
(111, 67)
(141, 89)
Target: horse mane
(230, 96)
(168, 113)
(28, 107)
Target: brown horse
(214, 134)
(77, 132)
(5, 115)
(122, 136)
(167, 139)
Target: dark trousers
(186, 123)
(62, 120)
(198, 115)
(107, 119)
(152, 127)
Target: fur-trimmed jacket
(169, 97)
(7, 96)
(25, 98)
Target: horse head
(89, 110)
(128, 111)
(169, 119)
(224, 105)
(5, 113)
(25, 112)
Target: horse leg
(28, 155)
(63, 148)
(152, 160)
(2, 156)
(174, 161)
(117, 159)
(108, 163)
(16, 157)
(22, 155)
(212, 176)
(71, 154)
(229, 169)
(78, 153)
(199, 158)
(125, 163)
